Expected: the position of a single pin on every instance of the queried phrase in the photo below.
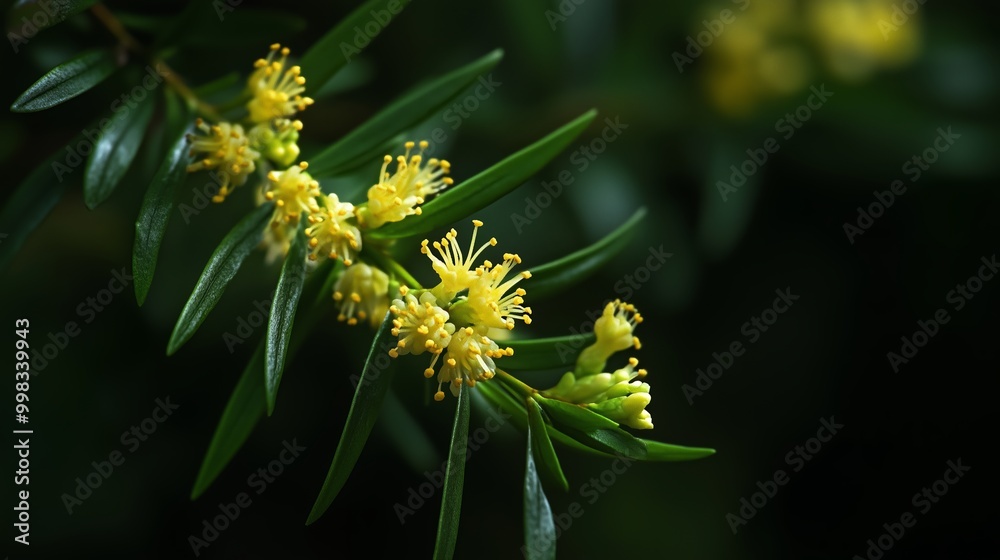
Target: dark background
(826, 356)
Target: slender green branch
(115, 27)
(516, 383)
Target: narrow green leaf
(28, 17)
(593, 429)
(407, 111)
(479, 191)
(32, 201)
(454, 481)
(547, 353)
(158, 202)
(221, 267)
(539, 527)
(66, 81)
(542, 445)
(658, 451)
(282, 317)
(609, 440)
(575, 416)
(564, 439)
(335, 49)
(115, 149)
(554, 277)
(244, 409)
(247, 404)
(368, 396)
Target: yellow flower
(399, 195)
(276, 92)
(420, 324)
(227, 149)
(292, 191)
(619, 395)
(614, 331)
(330, 233)
(455, 267)
(488, 297)
(277, 140)
(362, 292)
(469, 359)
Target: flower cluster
(452, 320)
(267, 139)
(619, 395)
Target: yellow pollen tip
(477, 223)
(429, 373)
(439, 396)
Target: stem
(516, 383)
(115, 27)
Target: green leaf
(407, 111)
(479, 191)
(115, 149)
(593, 429)
(335, 49)
(27, 17)
(454, 481)
(609, 440)
(66, 81)
(368, 397)
(547, 353)
(247, 404)
(541, 444)
(282, 317)
(539, 527)
(554, 277)
(575, 416)
(158, 202)
(31, 202)
(221, 267)
(658, 451)
(244, 409)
